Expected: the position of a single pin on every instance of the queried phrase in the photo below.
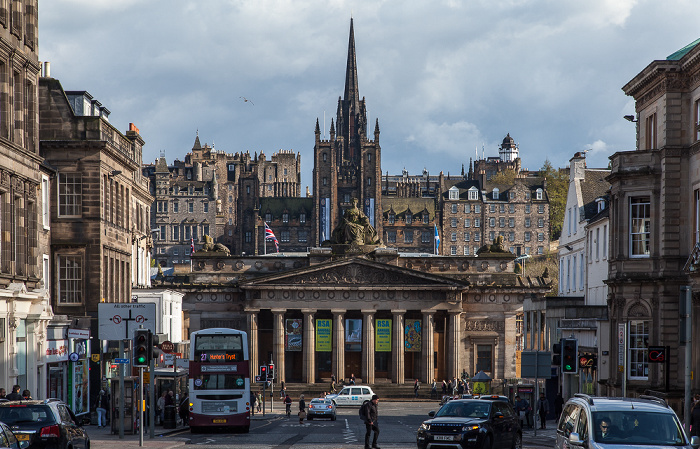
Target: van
(620, 423)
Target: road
(398, 423)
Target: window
(502, 208)
(453, 223)
(528, 236)
(206, 206)
(408, 237)
(70, 279)
(573, 272)
(473, 193)
(45, 217)
(392, 218)
(391, 236)
(369, 157)
(527, 208)
(495, 193)
(325, 157)
(230, 221)
(540, 208)
(597, 243)
(409, 218)
(190, 207)
(640, 223)
(205, 229)
(540, 250)
(269, 187)
(285, 218)
(69, 195)
(540, 222)
(188, 232)
(477, 222)
(511, 195)
(302, 218)
(466, 250)
(325, 181)
(502, 222)
(638, 339)
(268, 217)
(176, 252)
(511, 208)
(477, 236)
(162, 232)
(484, 357)
(568, 221)
(46, 263)
(248, 237)
(247, 190)
(425, 236)
(492, 222)
(176, 206)
(492, 208)
(511, 222)
(467, 222)
(369, 181)
(453, 237)
(231, 167)
(697, 120)
(346, 198)
(303, 236)
(581, 273)
(467, 236)
(540, 236)
(477, 208)
(539, 194)
(454, 208)
(453, 250)
(467, 208)
(492, 234)
(453, 193)
(230, 199)
(511, 237)
(528, 195)
(650, 131)
(284, 236)
(426, 218)
(605, 241)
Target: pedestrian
(695, 420)
(444, 387)
(302, 409)
(288, 405)
(283, 391)
(543, 410)
(160, 406)
(522, 408)
(258, 402)
(460, 388)
(449, 386)
(184, 410)
(15, 396)
(333, 380)
(352, 379)
(372, 422)
(169, 398)
(26, 395)
(433, 390)
(102, 404)
(416, 387)
(558, 406)
(3, 395)
(253, 398)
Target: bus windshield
(219, 381)
(218, 348)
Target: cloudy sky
(444, 77)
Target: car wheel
(333, 418)
(488, 442)
(517, 441)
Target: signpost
(117, 321)
(167, 347)
(537, 364)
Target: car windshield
(24, 413)
(637, 427)
(464, 410)
(320, 401)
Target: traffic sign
(167, 347)
(258, 380)
(121, 360)
(117, 321)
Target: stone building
(100, 232)
(25, 310)
(654, 220)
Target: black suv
(471, 423)
(46, 424)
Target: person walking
(371, 422)
(102, 407)
(416, 387)
(433, 389)
(26, 395)
(522, 408)
(160, 406)
(258, 402)
(444, 387)
(15, 396)
(302, 409)
(543, 410)
(558, 406)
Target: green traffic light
(141, 360)
(567, 367)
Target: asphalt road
(398, 422)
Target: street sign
(258, 380)
(536, 364)
(121, 360)
(117, 321)
(167, 347)
(657, 354)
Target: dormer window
(473, 193)
(409, 218)
(495, 194)
(601, 204)
(538, 194)
(454, 193)
(392, 218)
(285, 218)
(426, 217)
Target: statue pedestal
(352, 249)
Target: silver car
(620, 423)
(321, 408)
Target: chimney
(47, 69)
(133, 127)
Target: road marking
(348, 435)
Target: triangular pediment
(354, 272)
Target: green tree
(505, 177)
(557, 189)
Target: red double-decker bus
(219, 379)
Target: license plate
(443, 438)
(21, 437)
(219, 421)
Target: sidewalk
(103, 438)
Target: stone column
(428, 342)
(309, 360)
(368, 347)
(398, 375)
(252, 317)
(526, 346)
(453, 341)
(338, 362)
(278, 343)
(539, 330)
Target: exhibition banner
(382, 336)
(324, 335)
(353, 335)
(412, 335)
(292, 334)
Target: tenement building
(654, 219)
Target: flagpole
(264, 246)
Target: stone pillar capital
(278, 311)
(251, 310)
(428, 312)
(308, 311)
(338, 311)
(398, 312)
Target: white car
(351, 395)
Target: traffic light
(569, 356)
(556, 354)
(263, 373)
(271, 371)
(142, 348)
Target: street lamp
(522, 259)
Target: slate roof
(401, 205)
(293, 206)
(593, 186)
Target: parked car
(351, 395)
(471, 423)
(45, 424)
(321, 408)
(620, 423)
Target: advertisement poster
(78, 387)
(369, 210)
(353, 335)
(324, 336)
(325, 220)
(292, 335)
(382, 336)
(412, 335)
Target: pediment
(358, 272)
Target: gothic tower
(348, 164)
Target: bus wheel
(246, 429)
(194, 429)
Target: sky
(447, 79)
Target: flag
(437, 239)
(192, 245)
(269, 235)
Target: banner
(325, 221)
(353, 335)
(412, 335)
(369, 210)
(382, 336)
(324, 335)
(292, 335)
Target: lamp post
(522, 260)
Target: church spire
(352, 92)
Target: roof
(605, 404)
(683, 51)
(292, 205)
(415, 205)
(593, 186)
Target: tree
(557, 189)
(504, 177)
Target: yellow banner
(382, 336)
(324, 335)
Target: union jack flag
(192, 245)
(269, 235)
